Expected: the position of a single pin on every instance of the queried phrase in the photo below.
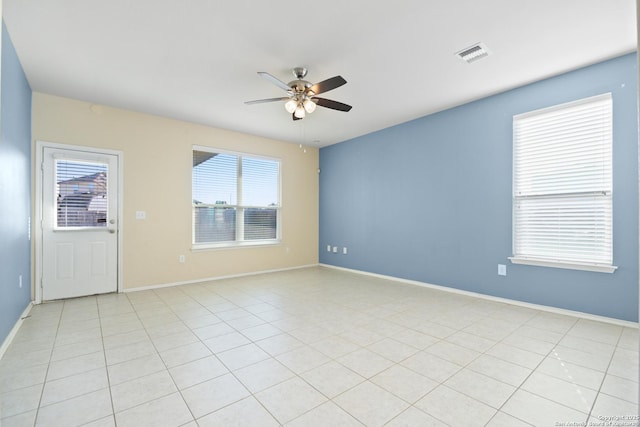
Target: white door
(79, 223)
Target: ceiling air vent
(473, 53)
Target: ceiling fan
(302, 97)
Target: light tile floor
(313, 347)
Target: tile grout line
(35, 420)
(604, 377)
(106, 369)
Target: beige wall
(157, 155)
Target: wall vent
(473, 53)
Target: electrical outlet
(328, 248)
(344, 250)
(502, 270)
(335, 249)
(181, 259)
(141, 215)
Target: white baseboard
(546, 308)
(211, 279)
(12, 334)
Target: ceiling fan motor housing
(299, 86)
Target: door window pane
(81, 189)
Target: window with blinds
(235, 199)
(562, 186)
(81, 189)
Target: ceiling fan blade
(275, 80)
(334, 105)
(262, 101)
(293, 115)
(327, 85)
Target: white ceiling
(196, 60)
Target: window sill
(600, 268)
(232, 245)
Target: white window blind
(562, 182)
(236, 198)
(81, 189)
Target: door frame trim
(36, 226)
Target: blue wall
(15, 189)
(430, 200)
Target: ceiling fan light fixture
(299, 112)
(301, 99)
(309, 105)
(290, 105)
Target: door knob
(111, 230)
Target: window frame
(239, 207)
(557, 261)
